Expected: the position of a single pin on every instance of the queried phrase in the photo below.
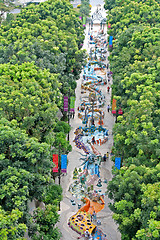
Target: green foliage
(9, 226)
(14, 188)
(46, 220)
(84, 8)
(24, 153)
(5, 6)
(53, 194)
(62, 127)
(40, 59)
(135, 192)
(28, 95)
(9, 18)
(134, 61)
(50, 34)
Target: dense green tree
(15, 186)
(5, 6)
(28, 95)
(54, 33)
(21, 152)
(40, 59)
(134, 61)
(133, 206)
(84, 8)
(45, 221)
(10, 228)
(53, 194)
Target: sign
(120, 112)
(63, 163)
(114, 106)
(72, 100)
(84, 21)
(65, 103)
(118, 162)
(55, 161)
(110, 41)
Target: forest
(40, 60)
(135, 63)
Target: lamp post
(95, 51)
(86, 117)
(91, 25)
(100, 120)
(90, 54)
(103, 22)
(101, 54)
(59, 170)
(92, 111)
(92, 99)
(68, 110)
(101, 25)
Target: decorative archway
(97, 15)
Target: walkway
(108, 226)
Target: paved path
(67, 210)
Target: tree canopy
(40, 60)
(134, 61)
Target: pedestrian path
(92, 173)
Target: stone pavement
(108, 225)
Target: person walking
(104, 158)
(107, 155)
(93, 140)
(108, 107)
(94, 216)
(91, 218)
(108, 88)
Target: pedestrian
(108, 107)
(94, 216)
(82, 108)
(92, 121)
(108, 89)
(107, 155)
(93, 140)
(91, 218)
(104, 158)
(73, 113)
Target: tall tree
(5, 6)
